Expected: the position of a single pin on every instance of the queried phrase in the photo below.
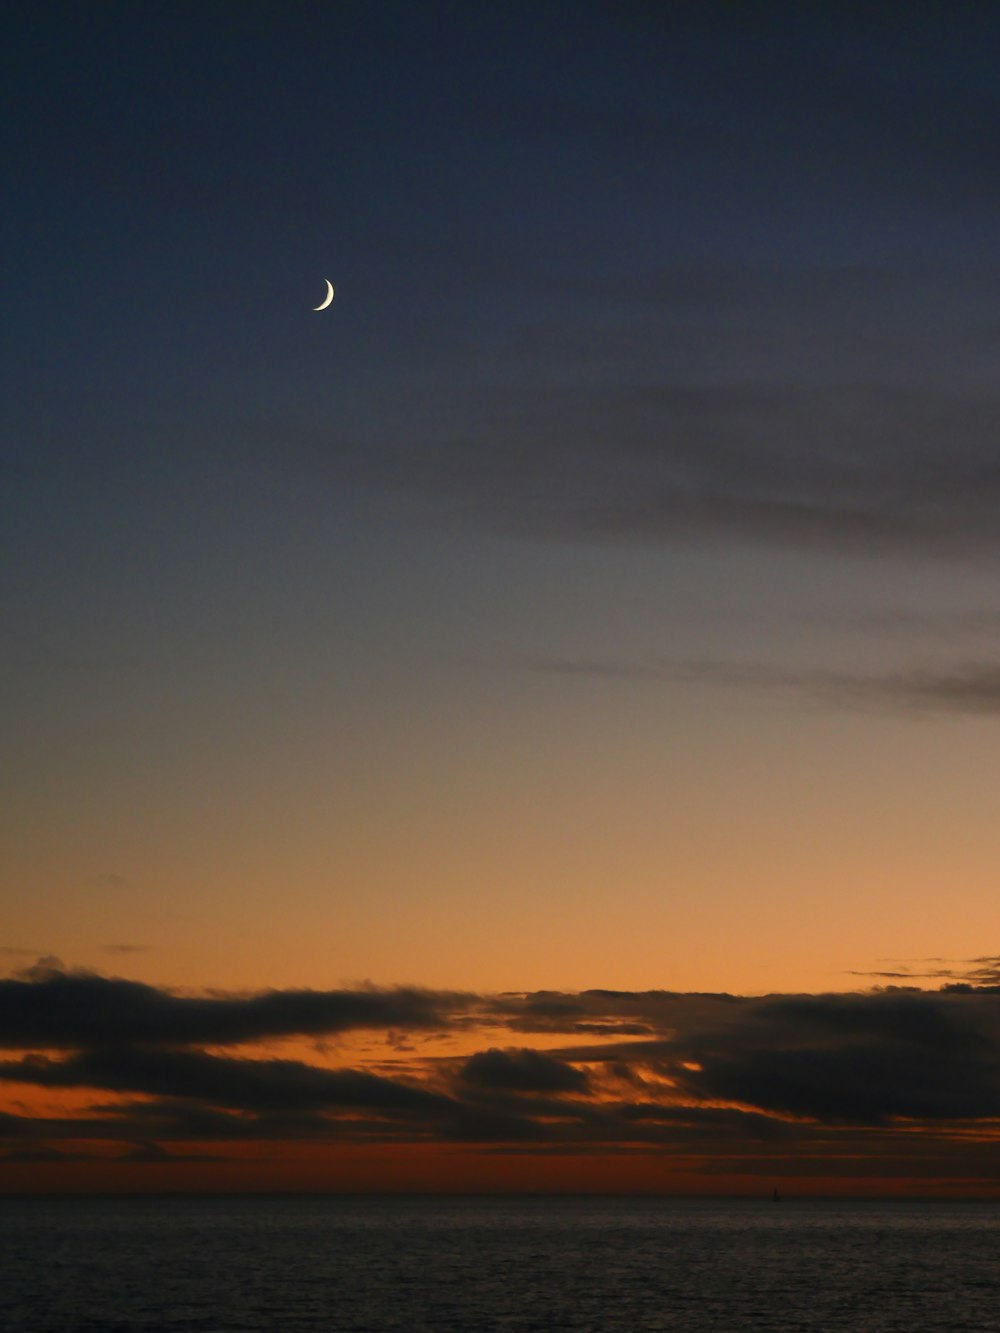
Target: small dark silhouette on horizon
(775, 1196)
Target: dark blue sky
(510, 202)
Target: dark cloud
(868, 1059)
(978, 972)
(176, 1120)
(47, 1006)
(726, 1082)
(44, 966)
(522, 1071)
(596, 1012)
(264, 1085)
(920, 1018)
(867, 1082)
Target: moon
(329, 297)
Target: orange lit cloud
(894, 1085)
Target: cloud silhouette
(522, 1071)
(982, 973)
(48, 1006)
(222, 1081)
(724, 1082)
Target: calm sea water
(434, 1265)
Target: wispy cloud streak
(967, 689)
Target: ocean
(486, 1265)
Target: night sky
(591, 615)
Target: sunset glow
(531, 722)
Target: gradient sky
(602, 592)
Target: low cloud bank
(709, 1078)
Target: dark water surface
(440, 1265)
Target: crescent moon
(329, 297)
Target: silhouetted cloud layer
(522, 1071)
(48, 1007)
(711, 1078)
(259, 1085)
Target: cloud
(602, 1013)
(265, 1085)
(867, 1058)
(48, 1006)
(44, 966)
(849, 465)
(981, 973)
(970, 689)
(723, 1082)
(522, 1071)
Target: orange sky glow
(532, 722)
(117, 1085)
